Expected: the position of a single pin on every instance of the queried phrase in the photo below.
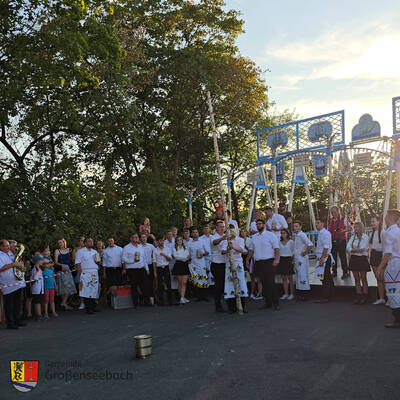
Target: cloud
(369, 53)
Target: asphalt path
(305, 351)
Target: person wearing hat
(37, 287)
(11, 294)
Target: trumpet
(19, 271)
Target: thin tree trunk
(235, 207)
(221, 189)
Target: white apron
(392, 282)
(198, 274)
(229, 289)
(89, 284)
(208, 270)
(174, 278)
(301, 266)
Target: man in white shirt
(134, 265)
(112, 263)
(169, 242)
(87, 264)
(265, 249)
(253, 225)
(206, 238)
(161, 258)
(276, 222)
(186, 236)
(11, 295)
(233, 222)
(218, 264)
(198, 251)
(389, 267)
(11, 252)
(324, 261)
(148, 253)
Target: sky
(322, 56)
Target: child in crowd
(50, 286)
(37, 287)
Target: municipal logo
(24, 375)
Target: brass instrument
(19, 271)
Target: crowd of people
(177, 268)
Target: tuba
(19, 272)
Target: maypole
(221, 189)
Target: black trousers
(340, 248)
(150, 281)
(138, 278)
(218, 271)
(396, 314)
(12, 307)
(266, 272)
(164, 277)
(327, 283)
(113, 276)
(90, 304)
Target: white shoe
(182, 301)
(379, 301)
(186, 300)
(291, 297)
(252, 296)
(258, 297)
(67, 307)
(81, 307)
(284, 297)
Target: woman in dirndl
(285, 266)
(181, 267)
(375, 256)
(64, 278)
(357, 247)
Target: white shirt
(128, 257)
(187, 241)
(170, 245)
(392, 241)
(237, 256)
(7, 277)
(324, 242)
(286, 250)
(375, 245)
(248, 245)
(148, 249)
(160, 260)
(263, 245)
(112, 257)
(355, 243)
(279, 221)
(301, 242)
(181, 254)
(194, 246)
(216, 250)
(11, 255)
(207, 243)
(38, 286)
(85, 257)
